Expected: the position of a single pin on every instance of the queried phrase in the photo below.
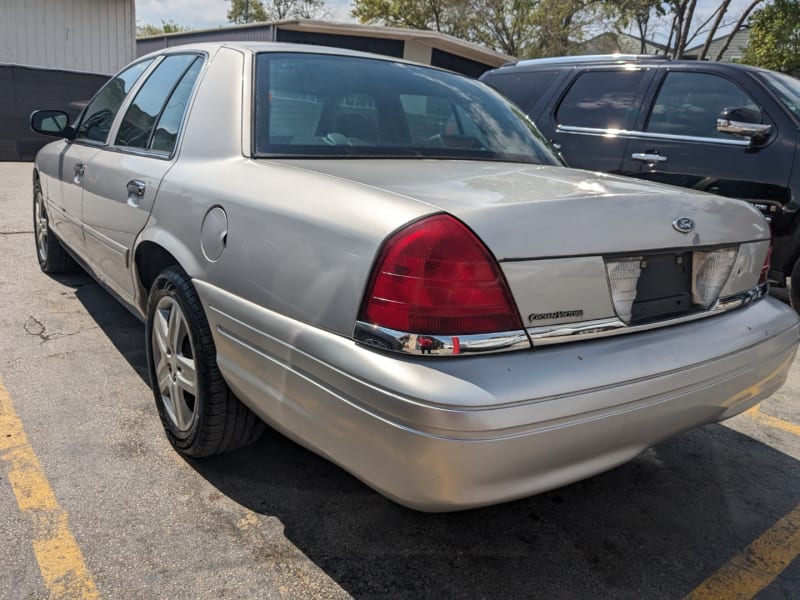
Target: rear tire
(200, 414)
(52, 256)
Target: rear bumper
(448, 434)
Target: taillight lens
(766, 266)
(436, 277)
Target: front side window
(327, 105)
(100, 112)
(786, 88)
(140, 119)
(688, 104)
(601, 100)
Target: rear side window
(688, 104)
(100, 112)
(601, 100)
(169, 123)
(523, 89)
(146, 109)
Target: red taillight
(765, 268)
(436, 277)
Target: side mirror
(745, 122)
(51, 122)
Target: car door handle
(136, 188)
(650, 157)
(78, 170)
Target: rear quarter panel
(298, 243)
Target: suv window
(601, 100)
(524, 89)
(688, 104)
(144, 111)
(100, 112)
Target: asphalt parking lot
(94, 502)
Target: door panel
(680, 144)
(589, 122)
(66, 218)
(114, 215)
(121, 182)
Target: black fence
(25, 89)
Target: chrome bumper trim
(440, 345)
(571, 332)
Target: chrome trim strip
(590, 58)
(588, 330)
(626, 133)
(441, 345)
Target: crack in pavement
(16, 232)
(35, 327)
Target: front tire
(200, 414)
(794, 287)
(52, 256)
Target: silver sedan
(385, 262)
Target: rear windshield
(339, 106)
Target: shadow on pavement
(653, 528)
(124, 330)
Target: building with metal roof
(56, 54)
(422, 46)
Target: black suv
(723, 128)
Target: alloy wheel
(173, 358)
(40, 226)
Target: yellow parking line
(756, 566)
(57, 553)
(771, 421)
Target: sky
(201, 14)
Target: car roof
(622, 59)
(256, 47)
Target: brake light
(436, 277)
(766, 266)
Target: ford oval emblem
(683, 224)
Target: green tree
(775, 37)
(444, 16)
(253, 11)
(247, 11)
(168, 26)
(517, 28)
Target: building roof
(434, 39)
(735, 50)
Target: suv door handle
(650, 157)
(78, 170)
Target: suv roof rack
(587, 58)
